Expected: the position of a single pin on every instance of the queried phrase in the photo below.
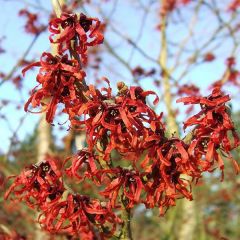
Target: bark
(126, 232)
(44, 142)
(171, 120)
(44, 137)
(188, 220)
(80, 140)
(188, 208)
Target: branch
(126, 232)
(171, 120)
(15, 68)
(57, 6)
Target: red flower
(212, 127)
(78, 213)
(230, 62)
(17, 81)
(164, 164)
(38, 184)
(57, 77)
(84, 161)
(139, 72)
(32, 26)
(209, 57)
(188, 89)
(234, 5)
(130, 182)
(232, 73)
(83, 30)
(170, 5)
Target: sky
(127, 19)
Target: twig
(15, 68)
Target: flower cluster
(83, 165)
(128, 156)
(157, 180)
(81, 30)
(233, 73)
(212, 126)
(139, 73)
(61, 211)
(164, 165)
(38, 184)
(62, 79)
(122, 122)
(59, 78)
(32, 26)
(76, 215)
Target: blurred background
(202, 43)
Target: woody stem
(126, 232)
(171, 121)
(57, 6)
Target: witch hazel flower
(58, 78)
(76, 213)
(38, 184)
(83, 31)
(214, 134)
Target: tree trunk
(44, 137)
(188, 222)
(188, 208)
(44, 142)
(80, 140)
